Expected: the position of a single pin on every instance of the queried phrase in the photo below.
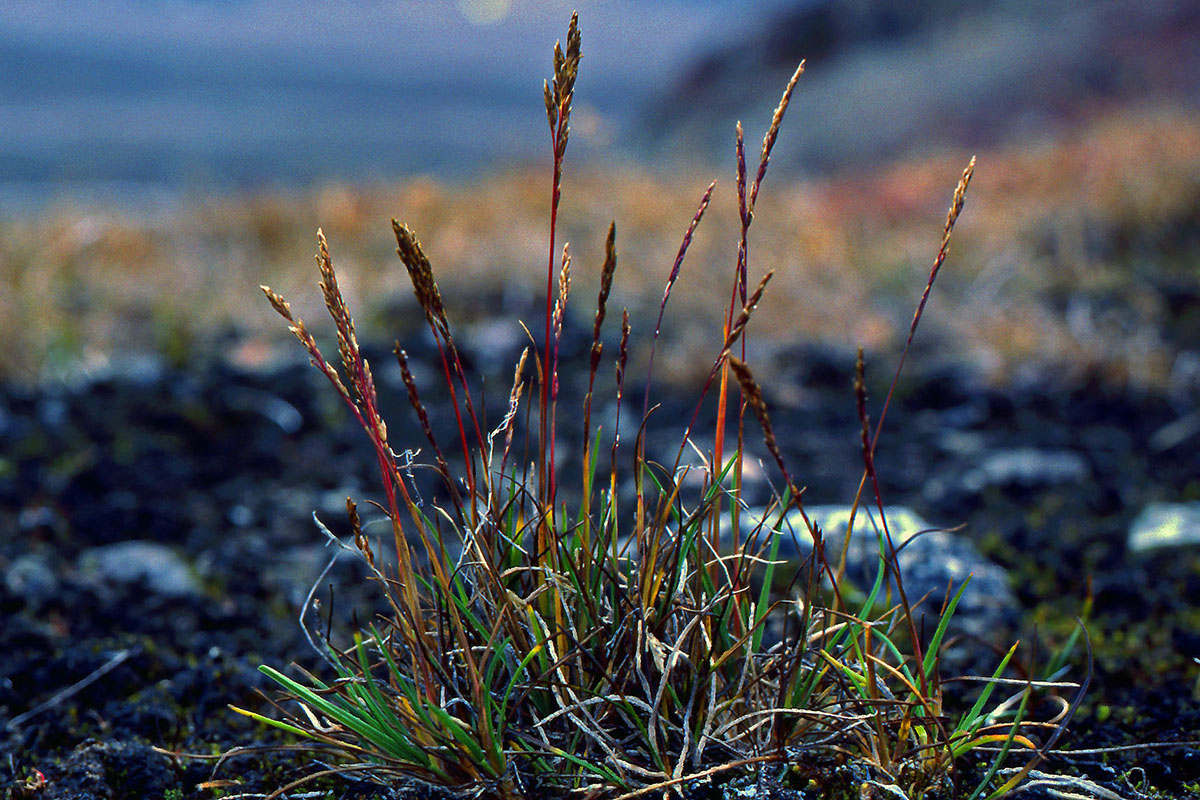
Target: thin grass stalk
(622, 360)
(956, 207)
(674, 275)
(414, 400)
(560, 309)
(746, 216)
(738, 290)
(558, 110)
(387, 475)
(606, 279)
(429, 297)
(564, 290)
(893, 561)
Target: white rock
(929, 562)
(1165, 525)
(158, 566)
(1026, 466)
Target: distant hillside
(882, 82)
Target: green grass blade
(1003, 754)
(970, 721)
(764, 595)
(943, 623)
(366, 728)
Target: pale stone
(1165, 525)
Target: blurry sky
(138, 100)
(242, 93)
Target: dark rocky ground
(157, 543)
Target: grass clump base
(609, 633)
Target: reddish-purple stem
(549, 370)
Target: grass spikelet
(606, 276)
(622, 360)
(414, 400)
(551, 105)
(606, 280)
(566, 69)
(420, 272)
(773, 134)
(281, 306)
(514, 403)
(683, 248)
(360, 540)
(671, 278)
(752, 393)
(299, 330)
(743, 318)
(744, 216)
(564, 290)
(956, 207)
(335, 304)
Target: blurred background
(160, 159)
(163, 443)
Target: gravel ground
(158, 544)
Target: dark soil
(222, 467)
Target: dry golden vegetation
(1087, 212)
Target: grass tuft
(544, 638)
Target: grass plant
(607, 633)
